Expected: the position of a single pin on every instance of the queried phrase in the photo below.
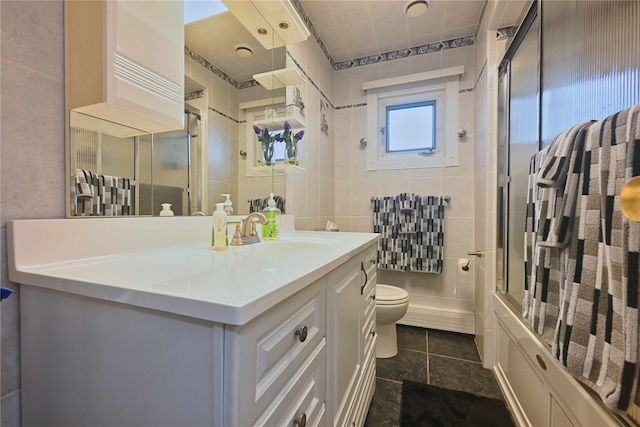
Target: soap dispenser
(219, 233)
(228, 208)
(271, 230)
(166, 210)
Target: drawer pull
(541, 362)
(372, 261)
(300, 420)
(373, 297)
(301, 333)
(366, 278)
(373, 332)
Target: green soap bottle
(271, 230)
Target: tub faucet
(246, 229)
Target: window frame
(444, 91)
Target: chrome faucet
(246, 229)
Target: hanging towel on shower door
(542, 287)
(549, 192)
(598, 331)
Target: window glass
(411, 127)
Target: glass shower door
(171, 174)
(519, 130)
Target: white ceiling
(349, 29)
(353, 29)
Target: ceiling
(348, 28)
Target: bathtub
(538, 392)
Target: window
(412, 121)
(411, 127)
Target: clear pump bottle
(271, 230)
(219, 238)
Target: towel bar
(447, 198)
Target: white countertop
(167, 263)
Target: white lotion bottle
(219, 232)
(228, 205)
(166, 210)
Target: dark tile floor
(444, 359)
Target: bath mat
(425, 405)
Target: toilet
(392, 304)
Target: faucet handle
(236, 240)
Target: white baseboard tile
(439, 318)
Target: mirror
(178, 167)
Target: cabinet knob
(541, 362)
(373, 333)
(300, 420)
(301, 333)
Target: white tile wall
(355, 185)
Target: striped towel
(258, 205)
(542, 294)
(597, 336)
(565, 155)
(392, 251)
(426, 252)
(415, 246)
(103, 195)
(406, 211)
(84, 184)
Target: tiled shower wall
(355, 185)
(31, 145)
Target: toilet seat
(391, 295)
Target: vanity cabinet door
(344, 339)
(265, 354)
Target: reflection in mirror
(170, 169)
(148, 170)
(238, 72)
(114, 175)
(103, 169)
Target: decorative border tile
(364, 104)
(226, 116)
(196, 94)
(404, 53)
(507, 32)
(217, 71)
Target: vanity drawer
(370, 259)
(302, 397)
(369, 317)
(271, 349)
(369, 330)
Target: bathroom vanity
(136, 321)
